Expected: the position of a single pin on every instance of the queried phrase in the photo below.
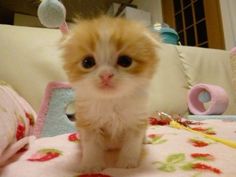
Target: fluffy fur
(111, 113)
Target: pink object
(17, 120)
(64, 28)
(233, 51)
(218, 103)
(106, 78)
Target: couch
(30, 60)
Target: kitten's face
(109, 57)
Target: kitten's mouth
(106, 86)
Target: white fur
(116, 113)
(118, 117)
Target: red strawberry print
(163, 122)
(199, 129)
(155, 139)
(30, 118)
(20, 132)
(74, 137)
(94, 175)
(202, 156)
(153, 121)
(154, 136)
(158, 121)
(45, 155)
(201, 166)
(198, 143)
(25, 148)
(208, 131)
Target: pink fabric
(233, 51)
(167, 152)
(64, 28)
(17, 119)
(44, 105)
(218, 103)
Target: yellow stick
(229, 143)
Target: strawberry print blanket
(167, 151)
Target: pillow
(169, 87)
(30, 60)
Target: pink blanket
(167, 152)
(17, 120)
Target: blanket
(167, 151)
(17, 120)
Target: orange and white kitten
(110, 62)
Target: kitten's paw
(127, 163)
(90, 168)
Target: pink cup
(218, 100)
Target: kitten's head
(109, 57)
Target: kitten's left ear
(52, 14)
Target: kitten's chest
(108, 112)
(113, 113)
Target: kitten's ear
(67, 36)
(64, 40)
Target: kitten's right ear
(64, 28)
(64, 39)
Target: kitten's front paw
(127, 163)
(90, 168)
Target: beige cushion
(233, 66)
(209, 66)
(169, 86)
(29, 60)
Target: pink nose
(107, 76)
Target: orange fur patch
(126, 37)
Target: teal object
(169, 35)
(56, 121)
(204, 97)
(54, 117)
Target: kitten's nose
(106, 76)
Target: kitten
(110, 62)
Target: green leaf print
(175, 158)
(167, 168)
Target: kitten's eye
(124, 61)
(88, 62)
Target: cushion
(233, 66)
(29, 60)
(169, 86)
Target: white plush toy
(52, 14)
